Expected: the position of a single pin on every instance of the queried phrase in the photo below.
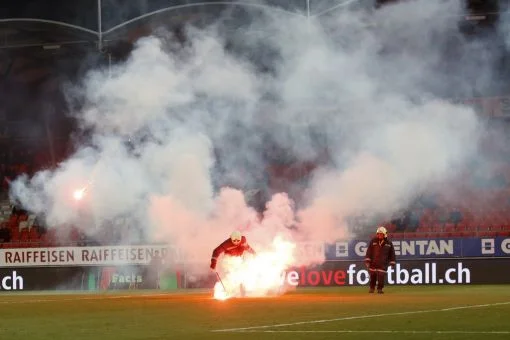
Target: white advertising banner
(81, 256)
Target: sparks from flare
(220, 293)
(260, 275)
(79, 193)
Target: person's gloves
(367, 264)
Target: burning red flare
(219, 292)
(256, 276)
(78, 194)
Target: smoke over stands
(181, 133)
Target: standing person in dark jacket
(380, 255)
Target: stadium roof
(45, 22)
(37, 34)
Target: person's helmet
(236, 237)
(382, 230)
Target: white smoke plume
(178, 132)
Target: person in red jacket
(380, 254)
(235, 245)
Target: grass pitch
(422, 312)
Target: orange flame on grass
(256, 276)
(219, 292)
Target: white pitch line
(379, 332)
(80, 298)
(238, 329)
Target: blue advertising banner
(426, 248)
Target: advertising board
(340, 250)
(411, 272)
(426, 248)
(419, 262)
(86, 278)
(83, 256)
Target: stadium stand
(476, 206)
(483, 210)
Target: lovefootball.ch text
(427, 273)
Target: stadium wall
(420, 262)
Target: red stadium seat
(15, 235)
(505, 223)
(471, 225)
(469, 233)
(49, 238)
(505, 227)
(487, 234)
(449, 227)
(390, 227)
(498, 219)
(424, 229)
(461, 227)
(496, 227)
(23, 236)
(485, 226)
(74, 235)
(456, 234)
(24, 244)
(437, 227)
(33, 234)
(441, 234)
(424, 222)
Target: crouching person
(234, 246)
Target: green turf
(194, 315)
